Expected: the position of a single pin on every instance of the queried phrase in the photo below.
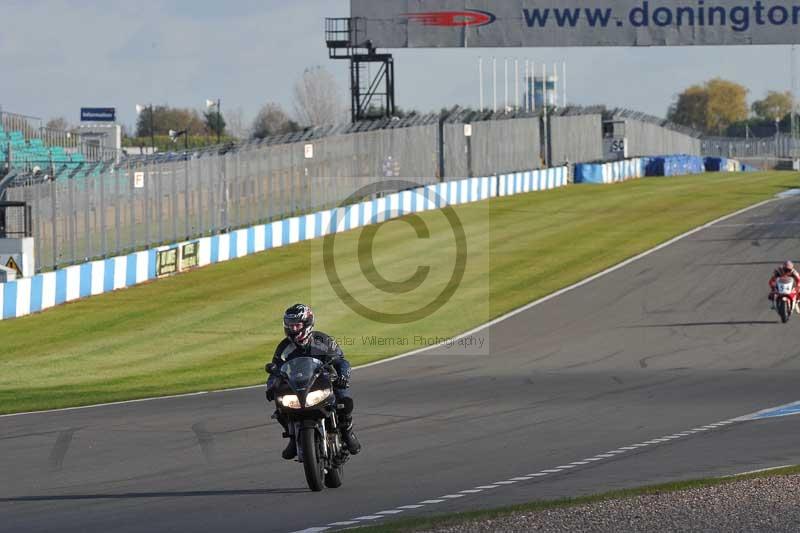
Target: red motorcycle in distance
(786, 292)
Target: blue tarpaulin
(675, 165)
(588, 173)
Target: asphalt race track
(680, 339)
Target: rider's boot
(349, 437)
(772, 302)
(290, 452)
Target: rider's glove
(342, 381)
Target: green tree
(691, 108)
(775, 106)
(167, 118)
(215, 122)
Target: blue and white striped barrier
(613, 172)
(43, 291)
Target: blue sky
(59, 55)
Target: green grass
(449, 520)
(215, 328)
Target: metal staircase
(371, 93)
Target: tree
(272, 120)
(236, 124)
(215, 122)
(727, 104)
(691, 108)
(58, 123)
(167, 118)
(711, 107)
(775, 106)
(317, 100)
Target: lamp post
(175, 134)
(139, 110)
(218, 104)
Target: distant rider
(786, 269)
(302, 341)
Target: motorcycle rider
(302, 341)
(786, 269)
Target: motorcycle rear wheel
(311, 460)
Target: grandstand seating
(29, 153)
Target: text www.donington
(739, 18)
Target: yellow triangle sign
(14, 266)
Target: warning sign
(12, 264)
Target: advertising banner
(528, 23)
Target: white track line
(489, 324)
(567, 468)
(760, 470)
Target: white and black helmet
(298, 324)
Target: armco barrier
(613, 172)
(43, 291)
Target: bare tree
(272, 120)
(58, 123)
(236, 124)
(317, 100)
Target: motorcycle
(785, 296)
(304, 396)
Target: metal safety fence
(780, 146)
(148, 201)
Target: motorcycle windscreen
(301, 372)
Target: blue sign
(98, 114)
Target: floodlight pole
(494, 84)
(219, 120)
(480, 81)
(152, 130)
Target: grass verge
(455, 519)
(215, 328)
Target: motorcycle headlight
(289, 400)
(317, 396)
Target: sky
(57, 56)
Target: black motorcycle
(304, 396)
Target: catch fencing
(576, 138)
(780, 146)
(493, 147)
(144, 203)
(149, 201)
(651, 136)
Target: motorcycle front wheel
(312, 463)
(784, 310)
(333, 478)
